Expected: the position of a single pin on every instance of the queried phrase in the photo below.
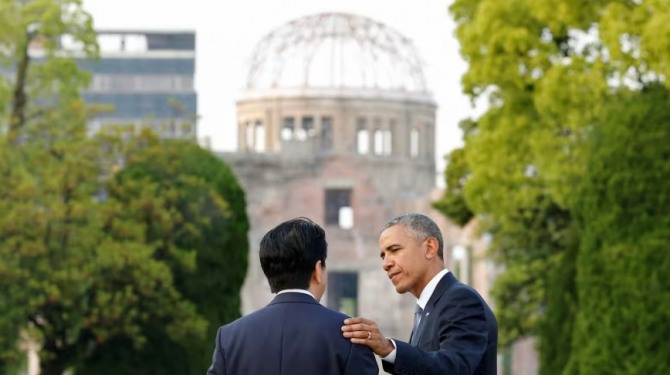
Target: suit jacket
(293, 335)
(457, 335)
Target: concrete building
(143, 78)
(147, 79)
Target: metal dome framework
(336, 50)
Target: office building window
(343, 292)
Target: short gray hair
(421, 227)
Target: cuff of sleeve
(390, 358)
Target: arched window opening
(249, 129)
(379, 142)
(287, 128)
(388, 142)
(260, 137)
(414, 143)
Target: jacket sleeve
(463, 338)
(218, 366)
(361, 361)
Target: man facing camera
(294, 334)
(454, 329)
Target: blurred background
(147, 146)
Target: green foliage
(207, 229)
(90, 253)
(81, 269)
(550, 71)
(453, 203)
(622, 207)
(51, 81)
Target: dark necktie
(417, 319)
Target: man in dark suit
(294, 334)
(455, 331)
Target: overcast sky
(227, 32)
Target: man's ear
(431, 247)
(318, 273)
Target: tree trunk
(18, 116)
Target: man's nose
(387, 263)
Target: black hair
(289, 252)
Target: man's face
(404, 260)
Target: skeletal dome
(336, 50)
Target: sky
(227, 32)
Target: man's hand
(365, 332)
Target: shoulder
(250, 319)
(460, 290)
(460, 296)
(329, 316)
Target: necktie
(417, 319)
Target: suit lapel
(442, 286)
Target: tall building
(145, 78)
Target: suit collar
(445, 283)
(292, 297)
(303, 291)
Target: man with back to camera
(294, 334)
(455, 331)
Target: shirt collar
(430, 288)
(303, 291)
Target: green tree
(622, 207)
(76, 269)
(208, 219)
(80, 268)
(52, 79)
(53, 82)
(549, 70)
(452, 204)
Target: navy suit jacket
(457, 335)
(293, 335)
